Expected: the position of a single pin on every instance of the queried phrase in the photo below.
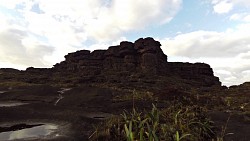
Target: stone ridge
(144, 56)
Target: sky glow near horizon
(39, 33)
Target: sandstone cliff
(141, 61)
(144, 56)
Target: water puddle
(11, 104)
(25, 131)
(1, 92)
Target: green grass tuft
(175, 123)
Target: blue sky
(39, 33)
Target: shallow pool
(11, 104)
(28, 132)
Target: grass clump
(175, 123)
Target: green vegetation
(176, 123)
(182, 116)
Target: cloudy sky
(39, 33)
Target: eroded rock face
(141, 61)
(198, 71)
(144, 56)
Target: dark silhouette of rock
(10, 70)
(198, 71)
(142, 61)
(145, 55)
(142, 57)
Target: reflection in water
(35, 132)
(11, 104)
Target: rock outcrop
(141, 61)
(200, 72)
(144, 56)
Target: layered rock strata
(141, 60)
(144, 56)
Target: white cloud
(11, 4)
(244, 17)
(54, 28)
(130, 15)
(17, 47)
(236, 17)
(104, 20)
(227, 52)
(213, 44)
(245, 3)
(225, 6)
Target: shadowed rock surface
(142, 57)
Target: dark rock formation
(32, 70)
(10, 70)
(145, 55)
(200, 72)
(128, 62)
(142, 57)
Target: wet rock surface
(80, 108)
(11, 103)
(17, 127)
(28, 131)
